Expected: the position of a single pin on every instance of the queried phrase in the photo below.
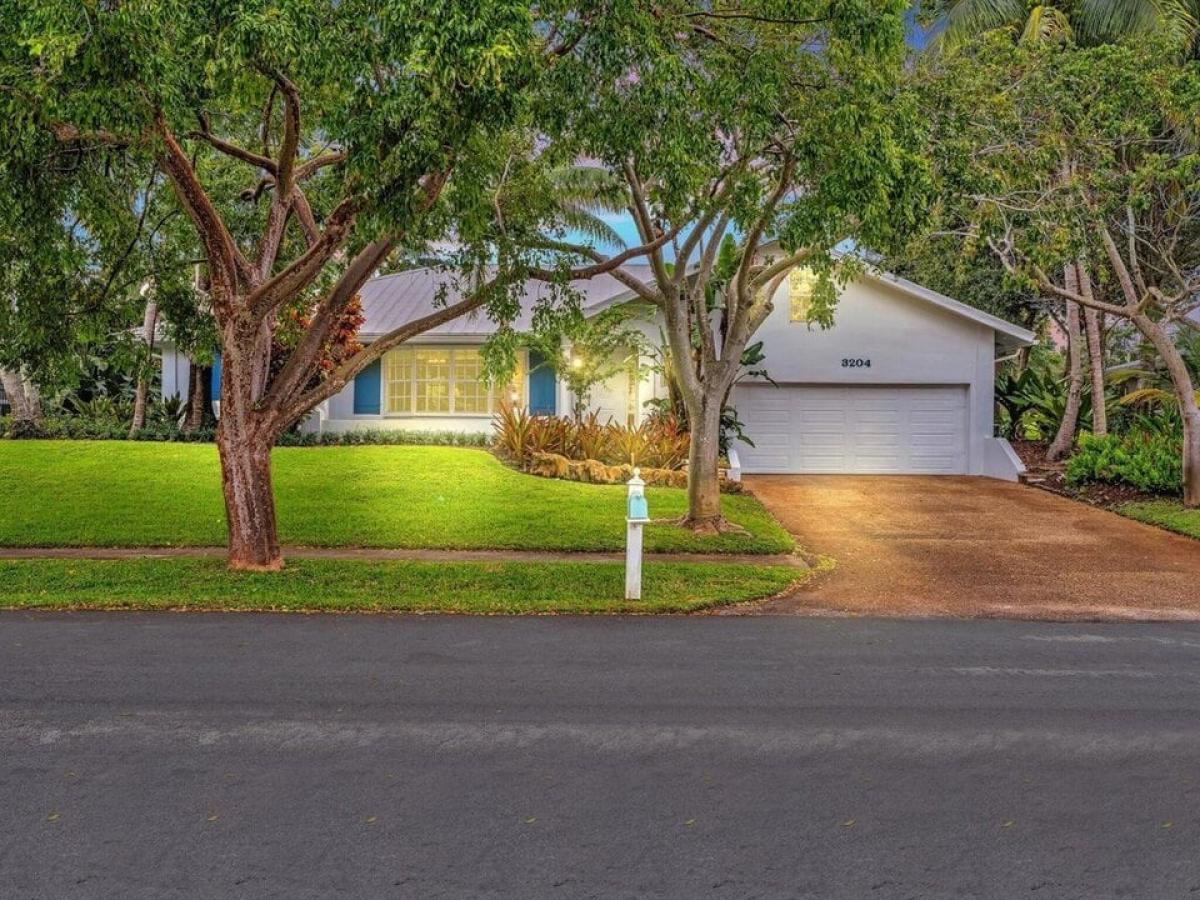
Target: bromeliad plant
(659, 442)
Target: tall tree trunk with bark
(1185, 394)
(149, 321)
(1064, 440)
(704, 485)
(24, 400)
(197, 397)
(245, 436)
(1094, 325)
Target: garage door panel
(866, 429)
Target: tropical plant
(1145, 460)
(1088, 22)
(660, 441)
(1051, 181)
(513, 425)
(1148, 384)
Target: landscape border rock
(591, 471)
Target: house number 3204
(859, 363)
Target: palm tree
(1150, 384)
(1087, 22)
(582, 194)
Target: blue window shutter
(366, 390)
(542, 387)
(214, 384)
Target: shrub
(1147, 461)
(380, 436)
(78, 428)
(660, 442)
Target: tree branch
(228, 268)
(232, 150)
(305, 268)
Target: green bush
(385, 436)
(1147, 461)
(80, 428)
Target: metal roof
(392, 301)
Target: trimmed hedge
(1148, 462)
(386, 436)
(81, 429)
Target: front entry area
(861, 429)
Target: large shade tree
(1171, 24)
(306, 143)
(1120, 223)
(781, 129)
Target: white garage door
(883, 430)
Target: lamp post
(637, 514)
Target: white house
(902, 383)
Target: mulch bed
(1050, 476)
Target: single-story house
(902, 383)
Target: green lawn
(120, 493)
(340, 585)
(1168, 514)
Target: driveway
(957, 546)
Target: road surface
(188, 756)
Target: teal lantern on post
(638, 510)
(637, 514)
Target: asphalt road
(170, 755)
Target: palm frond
(590, 186)
(1101, 20)
(588, 224)
(1153, 397)
(1120, 376)
(964, 19)
(1044, 25)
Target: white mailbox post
(637, 514)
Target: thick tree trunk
(1094, 326)
(245, 437)
(249, 500)
(149, 320)
(1064, 440)
(23, 398)
(14, 390)
(1185, 393)
(704, 485)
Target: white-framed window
(445, 380)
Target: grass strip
(392, 586)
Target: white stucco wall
(907, 342)
(176, 372)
